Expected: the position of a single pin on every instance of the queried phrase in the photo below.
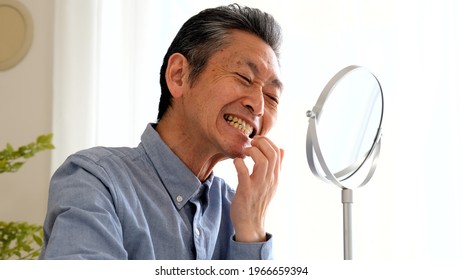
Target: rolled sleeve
(252, 251)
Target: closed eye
(273, 99)
(244, 78)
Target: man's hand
(255, 191)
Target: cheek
(269, 120)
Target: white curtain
(75, 77)
(107, 59)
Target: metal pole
(347, 200)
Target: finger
(242, 170)
(265, 144)
(260, 167)
(281, 157)
(279, 165)
(269, 150)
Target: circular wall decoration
(16, 31)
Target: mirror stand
(347, 200)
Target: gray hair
(208, 31)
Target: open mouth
(240, 124)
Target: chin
(234, 145)
(238, 152)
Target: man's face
(236, 96)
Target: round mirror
(344, 130)
(343, 138)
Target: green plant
(10, 159)
(21, 240)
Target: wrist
(250, 236)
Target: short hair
(208, 31)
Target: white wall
(25, 113)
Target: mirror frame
(313, 149)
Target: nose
(255, 102)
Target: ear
(177, 74)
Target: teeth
(239, 124)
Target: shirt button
(197, 231)
(179, 199)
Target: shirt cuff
(252, 251)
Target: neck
(193, 152)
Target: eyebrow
(275, 82)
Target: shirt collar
(177, 178)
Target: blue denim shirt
(140, 203)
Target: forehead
(247, 51)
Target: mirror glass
(348, 117)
